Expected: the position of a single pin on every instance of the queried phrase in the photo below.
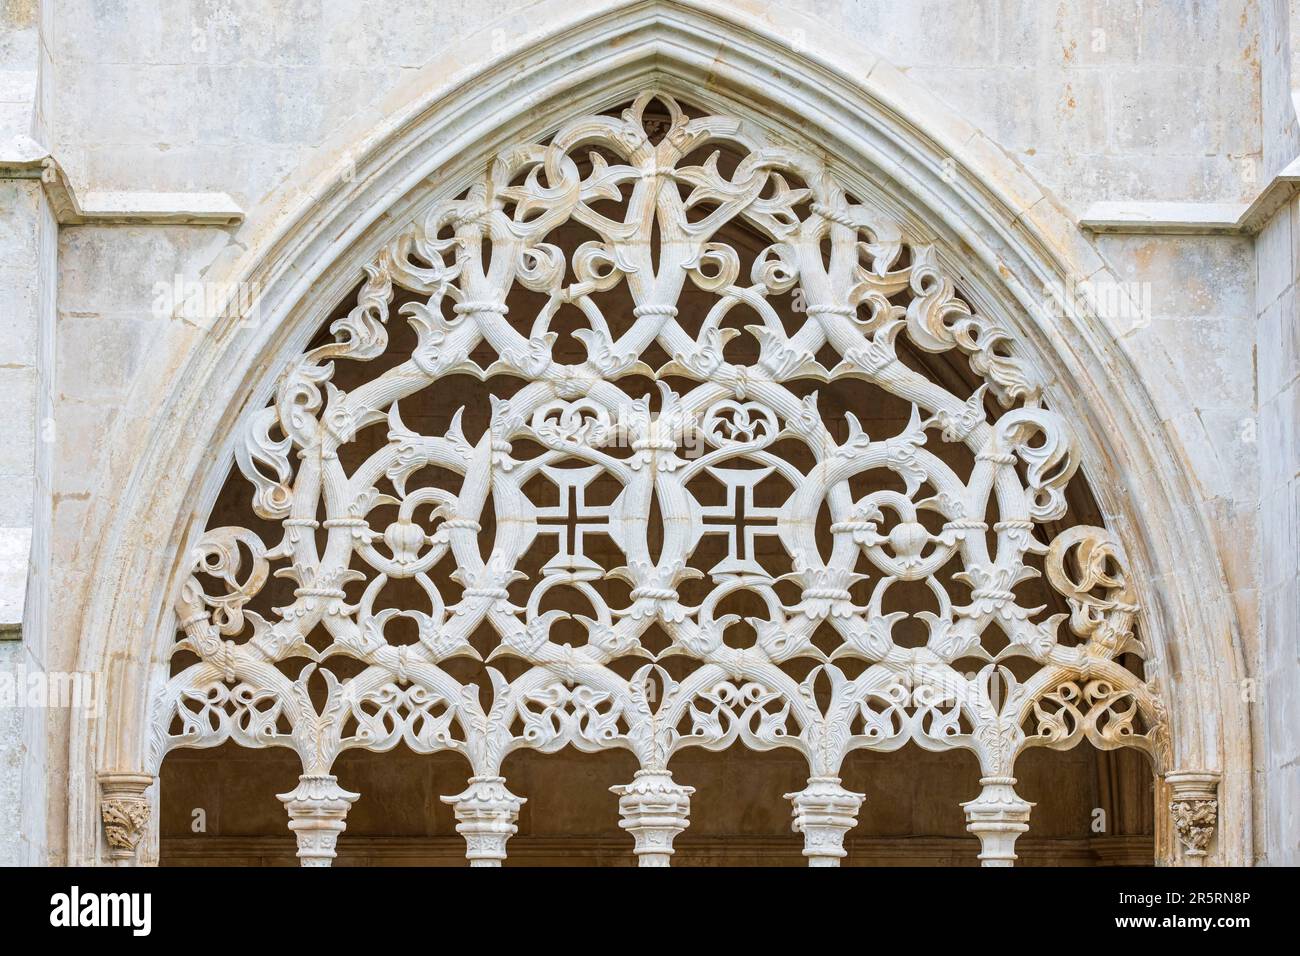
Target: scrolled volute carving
(558, 519)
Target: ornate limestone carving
(654, 810)
(318, 810)
(486, 813)
(125, 819)
(1194, 808)
(997, 816)
(404, 552)
(1195, 819)
(124, 810)
(824, 812)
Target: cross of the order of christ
(571, 518)
(740, 520)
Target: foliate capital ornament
(318, 811)
(1194, 807)
(824, 812)
(486, 813)
(997, 816)
(654, 810)
(124, 809)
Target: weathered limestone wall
(28, 238)
(1121, 99)
(1278, 396)
(27, 249)
(1279, 127)
(1200, 313)
(1124, 99)
(1278, 351)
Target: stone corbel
(1194, 808)
(124, 810)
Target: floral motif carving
(1194, 809)
(124, 811)
(124, 823)
(1195, 820)
(364, 503)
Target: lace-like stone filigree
(654, 199)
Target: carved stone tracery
(656, 206)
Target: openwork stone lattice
(786, 641)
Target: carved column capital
(997, 816)
(486, 813)
(318, 811)
(1194, 807)
(654, 810)
(124, 810)
(824, 812)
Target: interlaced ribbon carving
(654, 206)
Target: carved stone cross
(740, 519)
(572, 518)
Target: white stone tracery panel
(654, 198)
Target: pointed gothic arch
(1011, 248)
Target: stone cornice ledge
(107, 207)
(1195, 218)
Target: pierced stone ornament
(573, 469)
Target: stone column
(1194, 806)
(654, 810)
(124, 809)
(318, 811)
(824, 812)
(486, 813)
(997, 816)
